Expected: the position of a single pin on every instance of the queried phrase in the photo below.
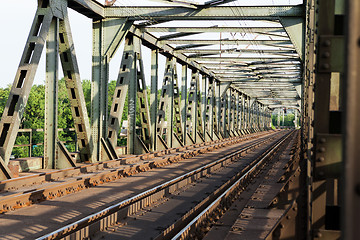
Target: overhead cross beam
(213, 13)
(212, 29)
(230, 42)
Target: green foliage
(20, 152)
(34, 115)
(86, 86)
(34, 112)
(4, 95)
(288, 120)
(65, 119)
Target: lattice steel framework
(232, 90)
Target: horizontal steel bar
(236, 50)
(175, 35)
(211, 29)
(230, 42)
(89, 8)
(213, 13)
(272, 88)
(244, 80)
(245, 59)
(279, 99)
(149, 39)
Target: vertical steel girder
(199, 127)
(210, 121)
(183, 103)
(154, 95)
(351, 152)
(179, 135)
(167, 103)
(131, 83)
(194, 120)
(19, 93)
(199, 114)
(325, 22)
(204, 86)
(218, 109)
(126, 74)
(232, 113)
(142, 96)
(242, 123)
(74, 88)
(237, 113)
(51, 96)
(132, 90)
(49, 15)
(227, 113)
(107, 35)
(223, 107)
(319, 115)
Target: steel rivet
(322, 140)
(325, 66)
(318, 235)
(322, 149)
(321, 159)
(357, 189)
(321, 174)
(326, 55)
(327, 43)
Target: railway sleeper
(271, 212)
(28, 198)
(108, 217)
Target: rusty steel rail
(109, 216)
(186, 152)
(18, 200)
(200, 213)
(116, 170)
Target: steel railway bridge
(209, 126)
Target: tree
(4, 95)
(288, 120)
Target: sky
(15, 26)
(15, 29)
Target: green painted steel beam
(89, 8)
(244, 59)
(75, 92)
(279, 99)
(164, 48)
(229, 42)
(245, 80)
(189, 46)
(212, 13)
(20, 90)
(236, 51)
(51, 96)
(295, 28)
(212, 29)
(273, 64)
(154, 94)
(176, 35)
(183, 103)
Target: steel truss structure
(233, 76)
(212, 107)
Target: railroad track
(108, 220)
(28, 190)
